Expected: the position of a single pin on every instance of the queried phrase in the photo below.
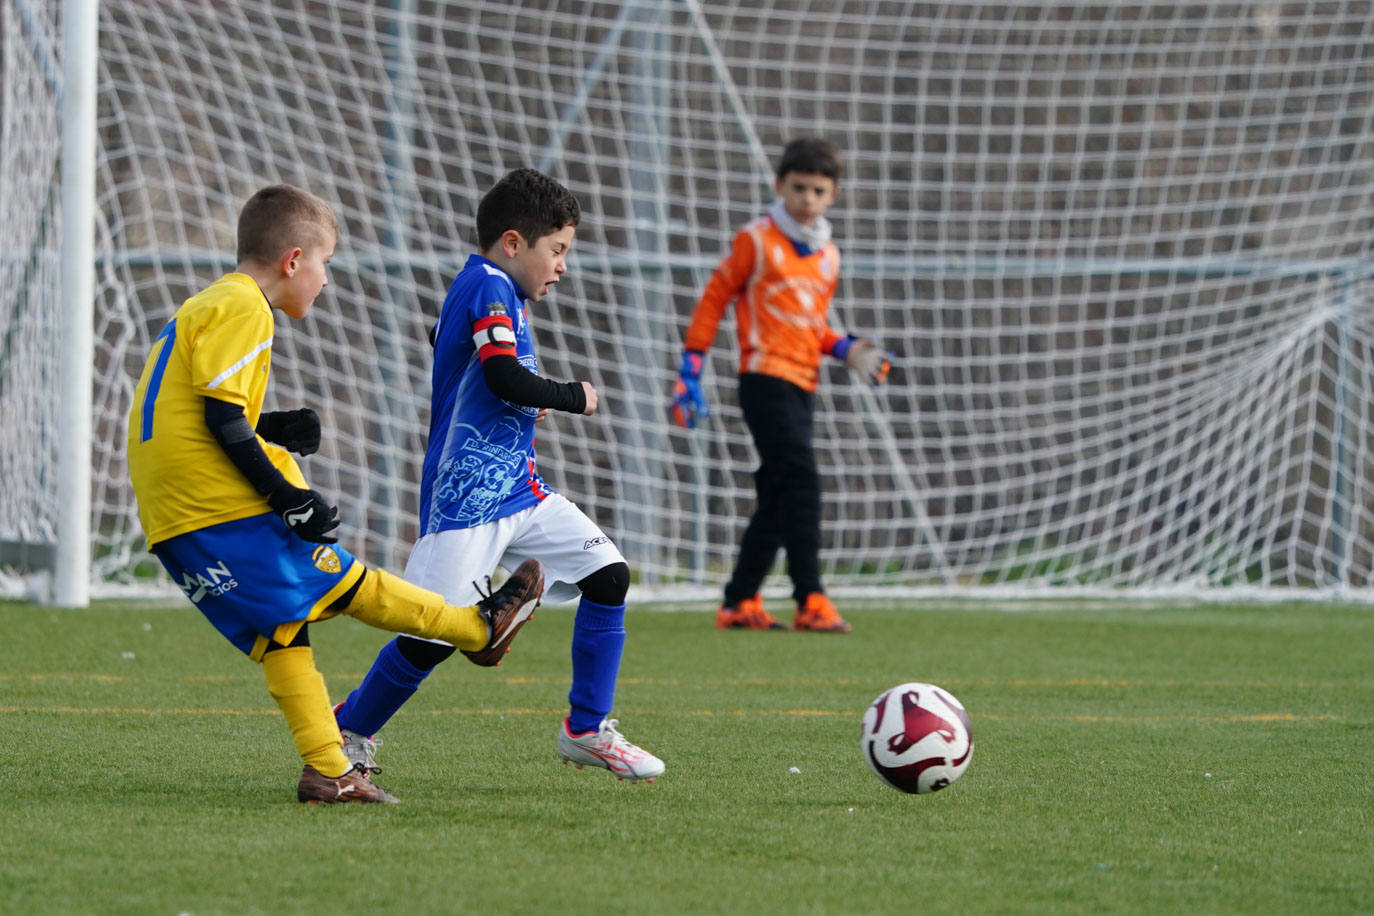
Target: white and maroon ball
(917, 738)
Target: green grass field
(1209, 759)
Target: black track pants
(788, 511)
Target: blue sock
(391, 681)
(597, 643)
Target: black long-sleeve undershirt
(512, 382)
(229, 426)
(504, 375)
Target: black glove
(295, 430)
(306, 513)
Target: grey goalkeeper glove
(866, 358)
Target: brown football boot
(506, 610)
(353, 786)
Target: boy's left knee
(607, 586)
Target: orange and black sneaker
(817, 613)
(746, 615)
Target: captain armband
(493, 336)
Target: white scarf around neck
(814, 236)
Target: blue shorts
(256, 581)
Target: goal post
(1122, 253)
(71, 579)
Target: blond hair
(280, 217)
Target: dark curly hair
(811, 156)
(528, 201)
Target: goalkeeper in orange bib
(781, 273)
(227, 511)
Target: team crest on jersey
(212, 580)
(496, 308)
(471, 485)
(828, 265)
(326, 560)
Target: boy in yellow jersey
(227, 510)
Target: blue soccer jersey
(479, 465)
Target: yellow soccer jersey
(219, 345)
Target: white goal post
(1121, 251)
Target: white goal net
(1122, 253)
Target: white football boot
(608, 749)
(360, 751)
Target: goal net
(1121, 252)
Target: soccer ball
(917, 738)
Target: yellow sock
(389, 602)
(297, 686)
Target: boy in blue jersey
(227, 511)
(483, 503)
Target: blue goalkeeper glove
(864, 357)
(688, 401)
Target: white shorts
(555, 532)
